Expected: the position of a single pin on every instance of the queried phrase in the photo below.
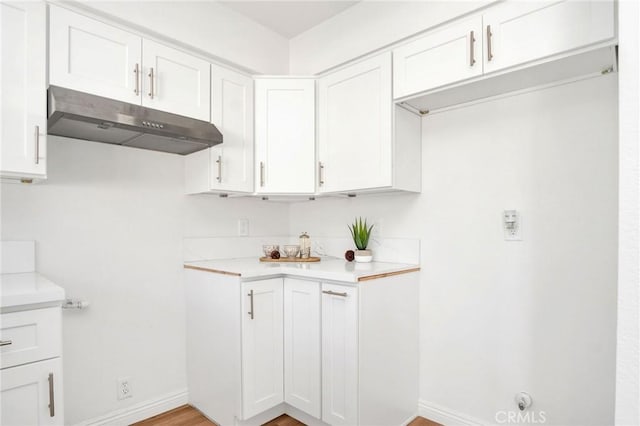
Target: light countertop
(329, 268)
(27, 290)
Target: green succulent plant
(360, 233)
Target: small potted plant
(360, 234)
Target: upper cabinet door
(23, 104)
(232, 113)
(175, 82)
(262, 346)
(518, 32)
(445, 56)
(93, 57)
(285, 136)
(355, 127)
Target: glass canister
(305, 245)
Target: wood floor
(189, 416)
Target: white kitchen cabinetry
(365, 142)
(175, 81)
(228, 167)
(444, 56)
(519, 32)
(93, 57)
(262, 346)
(517, 45)
(31, 394)
(31, 375)
(350, 349)
(339, 354)
(23, 105)
(302, 345)
(285, 136)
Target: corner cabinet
(23, 104)
(104, 60)
(365, 142)
(325, 352)
(285, 135)
(226, 168)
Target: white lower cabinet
(31, 394)
(332, 353)
(302, 345)
(339, 354)
(31, 374)
(262, 346)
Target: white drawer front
(34, 335)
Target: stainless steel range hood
(80, 115)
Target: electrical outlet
(124, 388)
(243, 227)
(512, 225)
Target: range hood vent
(80, 115)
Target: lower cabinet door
(302, 345)
(31, 394)
(262, 346)
(339, 354)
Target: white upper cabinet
(174, 81)
(93, 57)
(447, 55)
(519, 32)
(90, 56)
(23, 103)
(228, 167)
(285, 136)
(262, 346)
(360, 146)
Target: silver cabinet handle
(136, 73)
(261, 173)
(334, 293)
(52, 404)
(472, 43)
(320, 173)
(250, 304)
(5, 342)
(489, 52)
(151, 82)
(37, 139)
(219, 161)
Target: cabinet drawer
(33, 335)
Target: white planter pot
(363, 256)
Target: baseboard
(140, 411)
(445, 416)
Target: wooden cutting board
(290, 259)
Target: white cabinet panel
(232, 113)
(441, 57)
(302, 345)
(23, 108)
(174, 81)
(93, 57)
(355, 127)
(26, 397)
(34, 335)
(262, 346)
(519, 32)
(339, 354)
(285, 135)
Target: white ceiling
(289, 18)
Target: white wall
(501, 317)
(108, 225)
(206, 26)
(368, 26)
(628, 365)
